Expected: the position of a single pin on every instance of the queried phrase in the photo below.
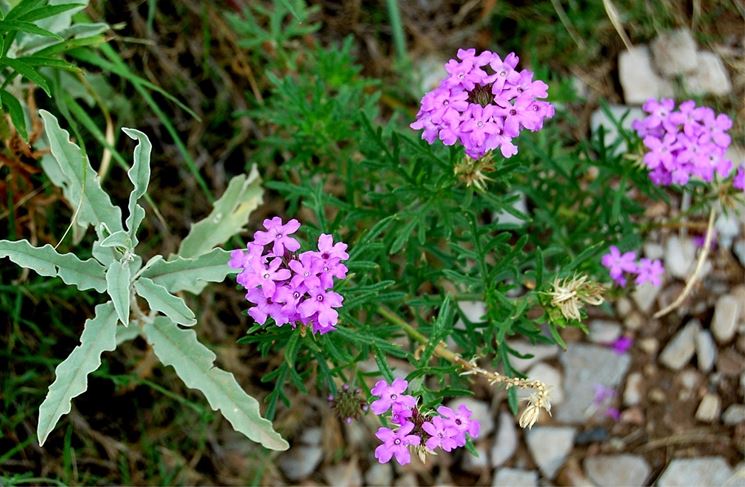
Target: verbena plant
(117, 272)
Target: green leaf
(27, 71)
(14, 108)
(139, 174)
(47, 11)
(161, 300)
(194, 364)
(28, 27)
(193, 274)
(78, 180)
(117, 285)
(127, 333)
(83, 274)
(118, 239)
(228, 217)
(99, 335)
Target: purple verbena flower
(396, 443)
(483, 103)
(391, 396)
(618, 264)
(739, 180)
(621, 344)
(443, 434)
(461, 421)
(649, 271)
(277, 234)
(689, 142)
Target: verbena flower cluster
(620, 265)
(447, 430)
(287, 286)
(686, 142)
(484, 103)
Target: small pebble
(709, 408)
(681, 348)
(706, 351)
(735, 414)
(632, 393)
(726, 316)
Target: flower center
(306, 273)
(481, 95)
(513, 112)
(296, 295)
(446, 103)
(458, 422)
(479, 124)
(502, 73)
(319, 297)
(266, 276)
(394, 396)
(396, 442)
(461, 75)
(279, 235)
(325, 268)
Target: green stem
(397, 28)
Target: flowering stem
(540, 398)
(696, 272)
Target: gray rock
(675, 52)
(481, 413)
(626, 470)
(586, 367)
(645, 295)
(603, 331)
(735, 414)
(728, 228)
(638, 77)
(710, 76)
(312, 436)
(634, 321)
(551, 376)
(726, 315)
(739, 249)
(680, 256)
(709, 408)
(618, 114)
(680, 349)
(686, 472)
(476, 464)
(632, 393)
(379, 474)
(623, 307)
(505, 442)
(343, 475)
(513, 477)
(654, 250)
(538, 352)
(474, 310)
(300, 461)
(407, 480)
(549, 446)
(706, 351)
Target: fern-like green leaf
(83, 274)
(71, 376)
(194, 364)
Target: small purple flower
(323, 303)
(621, 344)
(442, 434)
(391, 396)
(649, 271)
(278, 235)
(396, 444)
(617, 264)
(461, 421)
(739, 180)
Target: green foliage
(194, 364)
(118, 273)
(421, 239)
(34, 36)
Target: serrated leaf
(192, 275)
(78, 180)
(161, 300)
(83, 274)
(71, 376)
(139, 174)
(117, 285)
(194, 364)
(228, 217)
(14, 108)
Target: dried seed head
(571, 294)
(348, 404)
(472, 171)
